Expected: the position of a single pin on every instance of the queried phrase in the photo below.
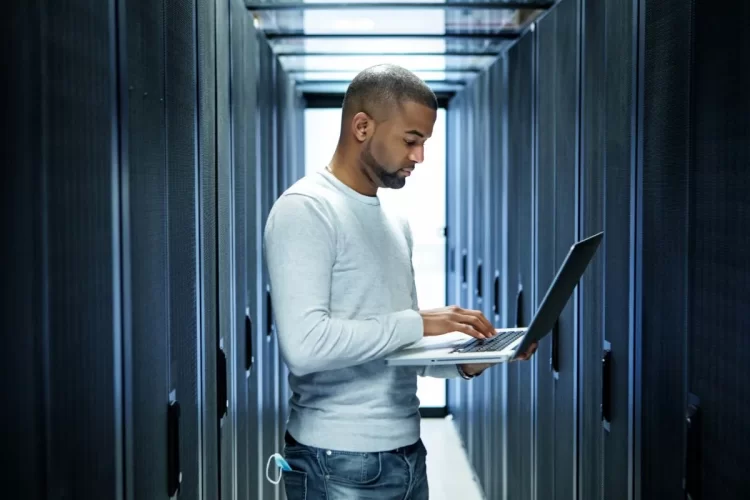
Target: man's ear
(362, 126)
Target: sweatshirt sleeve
(433, 371)
(300, 251)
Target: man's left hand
(475, 369)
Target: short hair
(378, 89)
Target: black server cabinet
(498, 121)
(244, 95)
(146, 252)
(717, 435)
(607, 158)
(474, 180)
(257, 292)
(692, 278)
(662, 246)
(62, 285)
(520, 258)
(226, 266)
(183, 422)
(268, 350)
(485, 273)
(557, 228)
(212, 402)
(458, 402)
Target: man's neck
(347, 172)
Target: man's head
(388, 114)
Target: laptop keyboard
(495, 344)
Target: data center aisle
(448, 470)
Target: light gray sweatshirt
(342, 285)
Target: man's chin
(393, 182)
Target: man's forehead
(417, 119)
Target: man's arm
(300, 250)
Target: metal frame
(472, 69)
(636, 252)
(431, 4)
(450, 53)
(500, 35)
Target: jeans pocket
(295, 484)
(359, 469)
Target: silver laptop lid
(560, 290)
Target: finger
(473, 321)
(487, 325)
(468, 330)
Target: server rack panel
(146, 253)
(608, 155)
(184, 293)
(206, 60)
(662, 244)
(546, 262)
(520, 255)
(718, 273)
(61, 208)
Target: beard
(377, 172)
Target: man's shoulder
(307, 197)
(309, 188)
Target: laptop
(458, 348)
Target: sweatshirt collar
(351, 193)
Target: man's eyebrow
(415, 132)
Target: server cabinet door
(486, 271)
(183, 418)
(557, 227)
(608, 153)
(716, 430)
(206, 25)
(244, 227)
(452, 168)
(463, 217)
(520, 254)
(62, 329)
(475, 174)
(453, 193)
(269, 167)
(253, 241)
(545, 256)
(227, 345)
(564, 355)
(662, 246)
(146, 253)
(497, 248)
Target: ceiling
(323, 44)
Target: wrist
(467, 372)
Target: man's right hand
(455, 319)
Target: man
(343, 287)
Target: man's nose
(417, 154)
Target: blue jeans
(319, 474)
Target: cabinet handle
(269, 312)
(221, 383)
(249, 358)
(519, 307)
(496, 292)
(607, 386)
(174, 474)
(464, 266)
(693, 472)
(480, 279)
(554, 360)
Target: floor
(448, 471)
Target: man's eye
(410, 143)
